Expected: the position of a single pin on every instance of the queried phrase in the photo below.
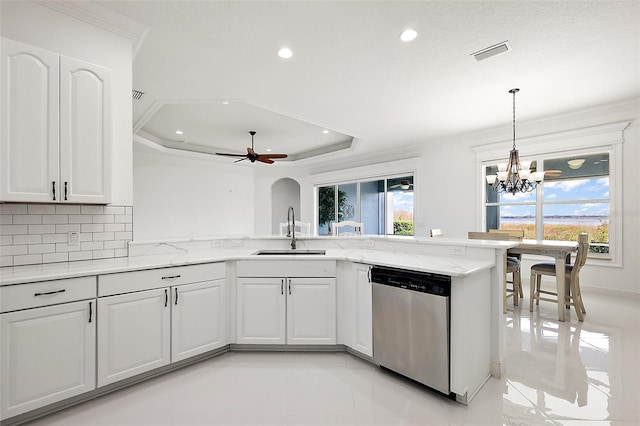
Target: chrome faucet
(291, 226)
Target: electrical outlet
(353, 242)
(73, 238)
(458, 250)
(217, 243)
(236, 243)
(369, 243)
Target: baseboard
(612, 292)
(623, 294)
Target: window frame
(380, 171)
(599, 139)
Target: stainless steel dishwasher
(411, 324)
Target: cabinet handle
(166, 297)
(53, 185)
(65, 191)
(171, 277)
(176, 302)
(50, 292)
(289, 286)
(90, 311)
(282, 286)
(369, 274)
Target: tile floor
(558, 373)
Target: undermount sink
(289, 252)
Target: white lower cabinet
(48, 354)
(134, 334)
(289, 311)
(261, 311)
(198, 319)
(152, 327)
(362, 339)
(311, 311)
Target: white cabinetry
(133, 334)
(299, 307)
(198, 318)
(362, 338)
(55, 119)
(47, 352)
(148, 319)
(311, 311)
(261, 312)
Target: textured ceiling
(352, 75)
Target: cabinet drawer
(127, 282)
(33, 295)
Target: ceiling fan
(252, 156)
(405, 185)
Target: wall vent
(137, 94)
(490, 51)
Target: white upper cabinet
(29, 153)
(85, 132)
(55, 116)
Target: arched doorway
(284, 193)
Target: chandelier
(514, 176)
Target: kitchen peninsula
(210, 277)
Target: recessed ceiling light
(408, 34)
(285, 53)
(325, 131)
(225, 102)
(179, 132)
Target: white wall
(189, 195)
(37, 25)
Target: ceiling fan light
(576, 164)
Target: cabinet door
(198, 319)
(48, 354)
(363, 333)
(261, 310)
(29, 123)
(133, 334)
(85, 132)
(311, 311)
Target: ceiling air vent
(490, 51)
(137, 94)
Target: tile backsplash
(39, 233)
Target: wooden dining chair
(514, 235)
(512, 266)
(436, 232)
(358, 228)
(572, 280)
(302, 228)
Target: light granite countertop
(453, 266)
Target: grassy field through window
(598, 234)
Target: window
(383, 205)
(578, 194)
(573, 198)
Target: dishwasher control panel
(424, 282)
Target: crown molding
(101, 17)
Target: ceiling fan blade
(231, 155)
(272, 155)
(264, 160)
(242, 159)
(397, 185)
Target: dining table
(560, 251)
